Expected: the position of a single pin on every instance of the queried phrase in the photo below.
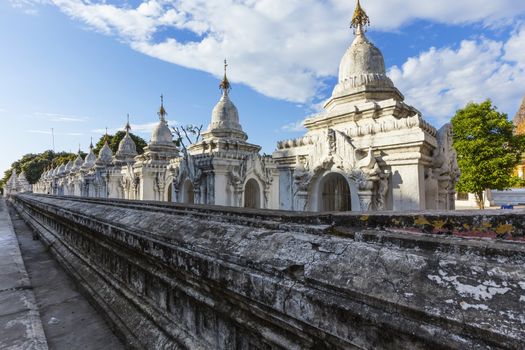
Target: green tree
(64, 157)
(487, 149)
(35, 167)
(114, 140)
(35, 164)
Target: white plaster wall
(408, 187)
(514, 196)
(431, 194)
(274, 193)
(146, 188)
(285, 195)
(222, 196)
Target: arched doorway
(252, 194)
(335, 193)
(187, 192)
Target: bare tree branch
(183, 133)
(186, 134)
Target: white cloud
(282, 49)
(49, 132)
(514, 48)
(392, 14)
(294, 126)
(30, 7)
(46, 132)
(56, 117)
(145, 128)
(440, 81)
(127, 23)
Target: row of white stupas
(367, 150)
(17, 184)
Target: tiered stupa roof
(225, 116)
(90, 159)
(127, 150)
(105, 155)
(224, 134)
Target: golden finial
(162, 112)
(128, 127)
(360, 18)
(225, 84)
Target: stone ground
(68, 320)
(20, 324)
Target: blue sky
(78, 66)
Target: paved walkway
(68, 320)
(20, 324)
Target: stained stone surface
(171, 276)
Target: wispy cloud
(49, 132)
(136, 128)
(287, 49)
(440, 81)
(28, 6)
(61, 118)
(294, 126)
(283, 49)
(46, 132)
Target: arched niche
(252, 194)
(204, 190)
(169, 192)
(333, 191)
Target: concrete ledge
(220, 278)
(514, 196)
(501, 224)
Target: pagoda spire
(162, 112)
(127, 127)
(225, 84)
(360, 19)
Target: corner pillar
(408, 187)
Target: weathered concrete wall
(514, 196)
(181, 277)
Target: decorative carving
(360, 129)
(332, 142)
(445, 168)
(382, 190)
(302, 176)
